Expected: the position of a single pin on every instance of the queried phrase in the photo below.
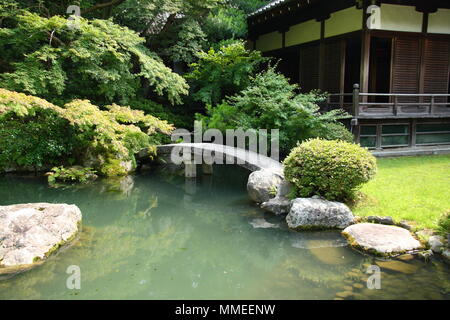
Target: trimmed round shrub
(330, 169)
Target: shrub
(331, 169)
(271, 102)
(224, 72)
(334, 131)
(100, 61)
(74, 174)
(35, 133)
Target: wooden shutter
(406, 67)
(309, 68)
(332, 73)
(436, 67)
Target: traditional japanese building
(386, 62)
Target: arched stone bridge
(244, 158)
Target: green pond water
(154, 236)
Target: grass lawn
(409, 188)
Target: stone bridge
(230, 155)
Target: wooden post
(356, 100)
(432, 104)
(365, 63)
(395, 110)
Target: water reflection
(155, 237)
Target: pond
(154, 236)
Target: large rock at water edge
(31, 232)
(318, 214)
(262, 185)
(380, 239)
(277, 206)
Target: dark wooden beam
(425, 19)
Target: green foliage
(178, 115)
(173, 28)
(225, 72)
(334, 131)
(99, 60)
(444, 223)
(74, 174)
(270, 102)
(229, 20)
(32, 134)
(331, 169)
(184, 41)
(104, 139)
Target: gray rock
(436, 244)
(263, 185)
(263, 224)
(381, 220)
(318, 214)
(446, 255)
(405, 225)
(381, 239)
(284, 189)
(31, 232)
(277, 206)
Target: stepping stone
(380, 239)
(397, 266)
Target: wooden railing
(396, 105)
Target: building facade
(386, 62)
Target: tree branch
(102, 5)
(52, 36)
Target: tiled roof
(268, 6)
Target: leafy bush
(334, 131)
(179, 116)
(100, 61)
(225, 72)
(106, 140)
(331, 169)
(74, 174)
(271, 102)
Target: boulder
(381, 220)
(277, 206)
(318, 214)
(29, 233)
(284, 189)
(381, 239)
(263, 185)
(436, 244)
(446, 255)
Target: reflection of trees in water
(144, 236)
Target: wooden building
(387, 62)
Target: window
(393, 135)
(432, 133)
(385, 135)
(368, 136)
